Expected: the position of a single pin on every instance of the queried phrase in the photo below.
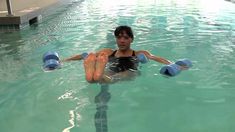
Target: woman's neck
(127, 52)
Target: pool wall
(231, 1)
(25, 12)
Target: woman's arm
(73, 58)
(155, 58)
(107, 51)
(81, 56)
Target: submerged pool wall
(24, 12)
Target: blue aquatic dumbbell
(142, 58)
(51, 60)
(50, 55)
(184, 63)
(170, 70)
(174, 69)
(84, 55)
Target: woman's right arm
(107, 51)
(81, 56)
(73, 58)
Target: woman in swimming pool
(122, 62)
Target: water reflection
(10, 44)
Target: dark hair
(122, 30)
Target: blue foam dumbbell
(50, 55)
(142, 58)
(51, 60)
(174, 69)
(184, 62)
(84, 55)
(170, 70)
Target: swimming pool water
(201, 99)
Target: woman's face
(123, 41)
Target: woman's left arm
(153, 57)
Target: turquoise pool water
(201, 99)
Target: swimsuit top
(120, 64)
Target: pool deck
(24, 12)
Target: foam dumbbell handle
(50, 55)
(184, 62)
(142, 58)
(51, 64)
(170, 70)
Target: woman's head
(124, 37)
(121, 30)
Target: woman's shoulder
(143, 52)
